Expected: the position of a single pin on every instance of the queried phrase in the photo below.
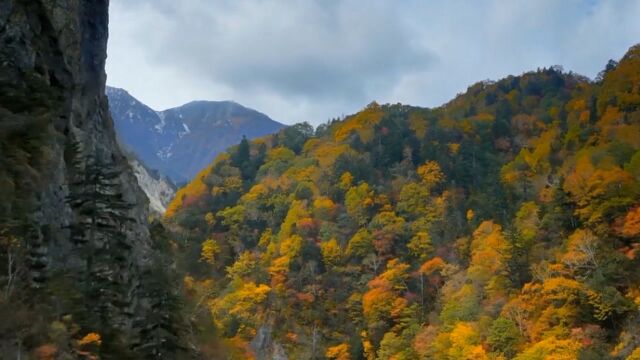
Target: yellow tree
(361, 244)
(363, 123)
(338, 352)
(465, 343)
(380, 302)
(430, 174)
(600, 190)
(331, 252)
(359, 200)
(552, 348)
(489, 252)
(242, 304)
(420, 245)
(209, 250)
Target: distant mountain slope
(179, 142)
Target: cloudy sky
(310, 60)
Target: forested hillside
(503, 224)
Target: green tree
(504, 337)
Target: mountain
(504, 224)
(181, 141)
(84, 274)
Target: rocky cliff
(158, 188)
(73, 221)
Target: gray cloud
(310, 60)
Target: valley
(502, 224)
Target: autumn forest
(504, 224)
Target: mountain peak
(180, 141)
(115, 90)
(211, 102)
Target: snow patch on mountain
(186, 131)
(160, 126)
(165, 153)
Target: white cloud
(311, 60)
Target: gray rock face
(158, 188)
(54, 122)
(264, 347)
